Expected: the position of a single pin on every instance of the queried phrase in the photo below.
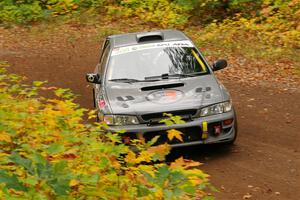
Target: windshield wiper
(195, 74)
(130, 80)
(180, 75)
(167, 76)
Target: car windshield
(154, 61)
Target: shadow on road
(201, 153)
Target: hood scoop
(165, 86)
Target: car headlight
(216, 109)
(120, 120)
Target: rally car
(142, 76)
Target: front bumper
(227, 134)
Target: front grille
(156, 117)
(190, 134)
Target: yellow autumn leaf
(92, 114)
(94, 169)
(184, 163)
(74, 7)
(130, 158)
(13, 191)
(174, 133)
(195, 180)
(2, 155)
(159, 194)
(247, 196)
(144, 157)
(159, 148)
(114, 161)
(73, 182)
(5, 137)
(148, 168)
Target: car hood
(163, 96)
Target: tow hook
(217, 130)
(204, 131)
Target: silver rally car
(141, 76)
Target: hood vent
(149, 36)
(157, 87)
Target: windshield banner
(128, 49)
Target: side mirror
(93, 78)
(219, 64)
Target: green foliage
(15, 11)
(26, 11)
(271, 36)
(166, 13)
(174, 12)
(90, 3)
(163, 12)
(171, 120)
(47, 152)
(60, 7)
(209, 10)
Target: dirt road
(264, 163)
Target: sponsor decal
(101, 103)
(126, 98)
(171, 93)
(128, 49)
(165, 96)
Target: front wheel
(94, 98)
(94, 104)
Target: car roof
(146, 37)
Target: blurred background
(264, 31)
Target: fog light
(228, 122)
